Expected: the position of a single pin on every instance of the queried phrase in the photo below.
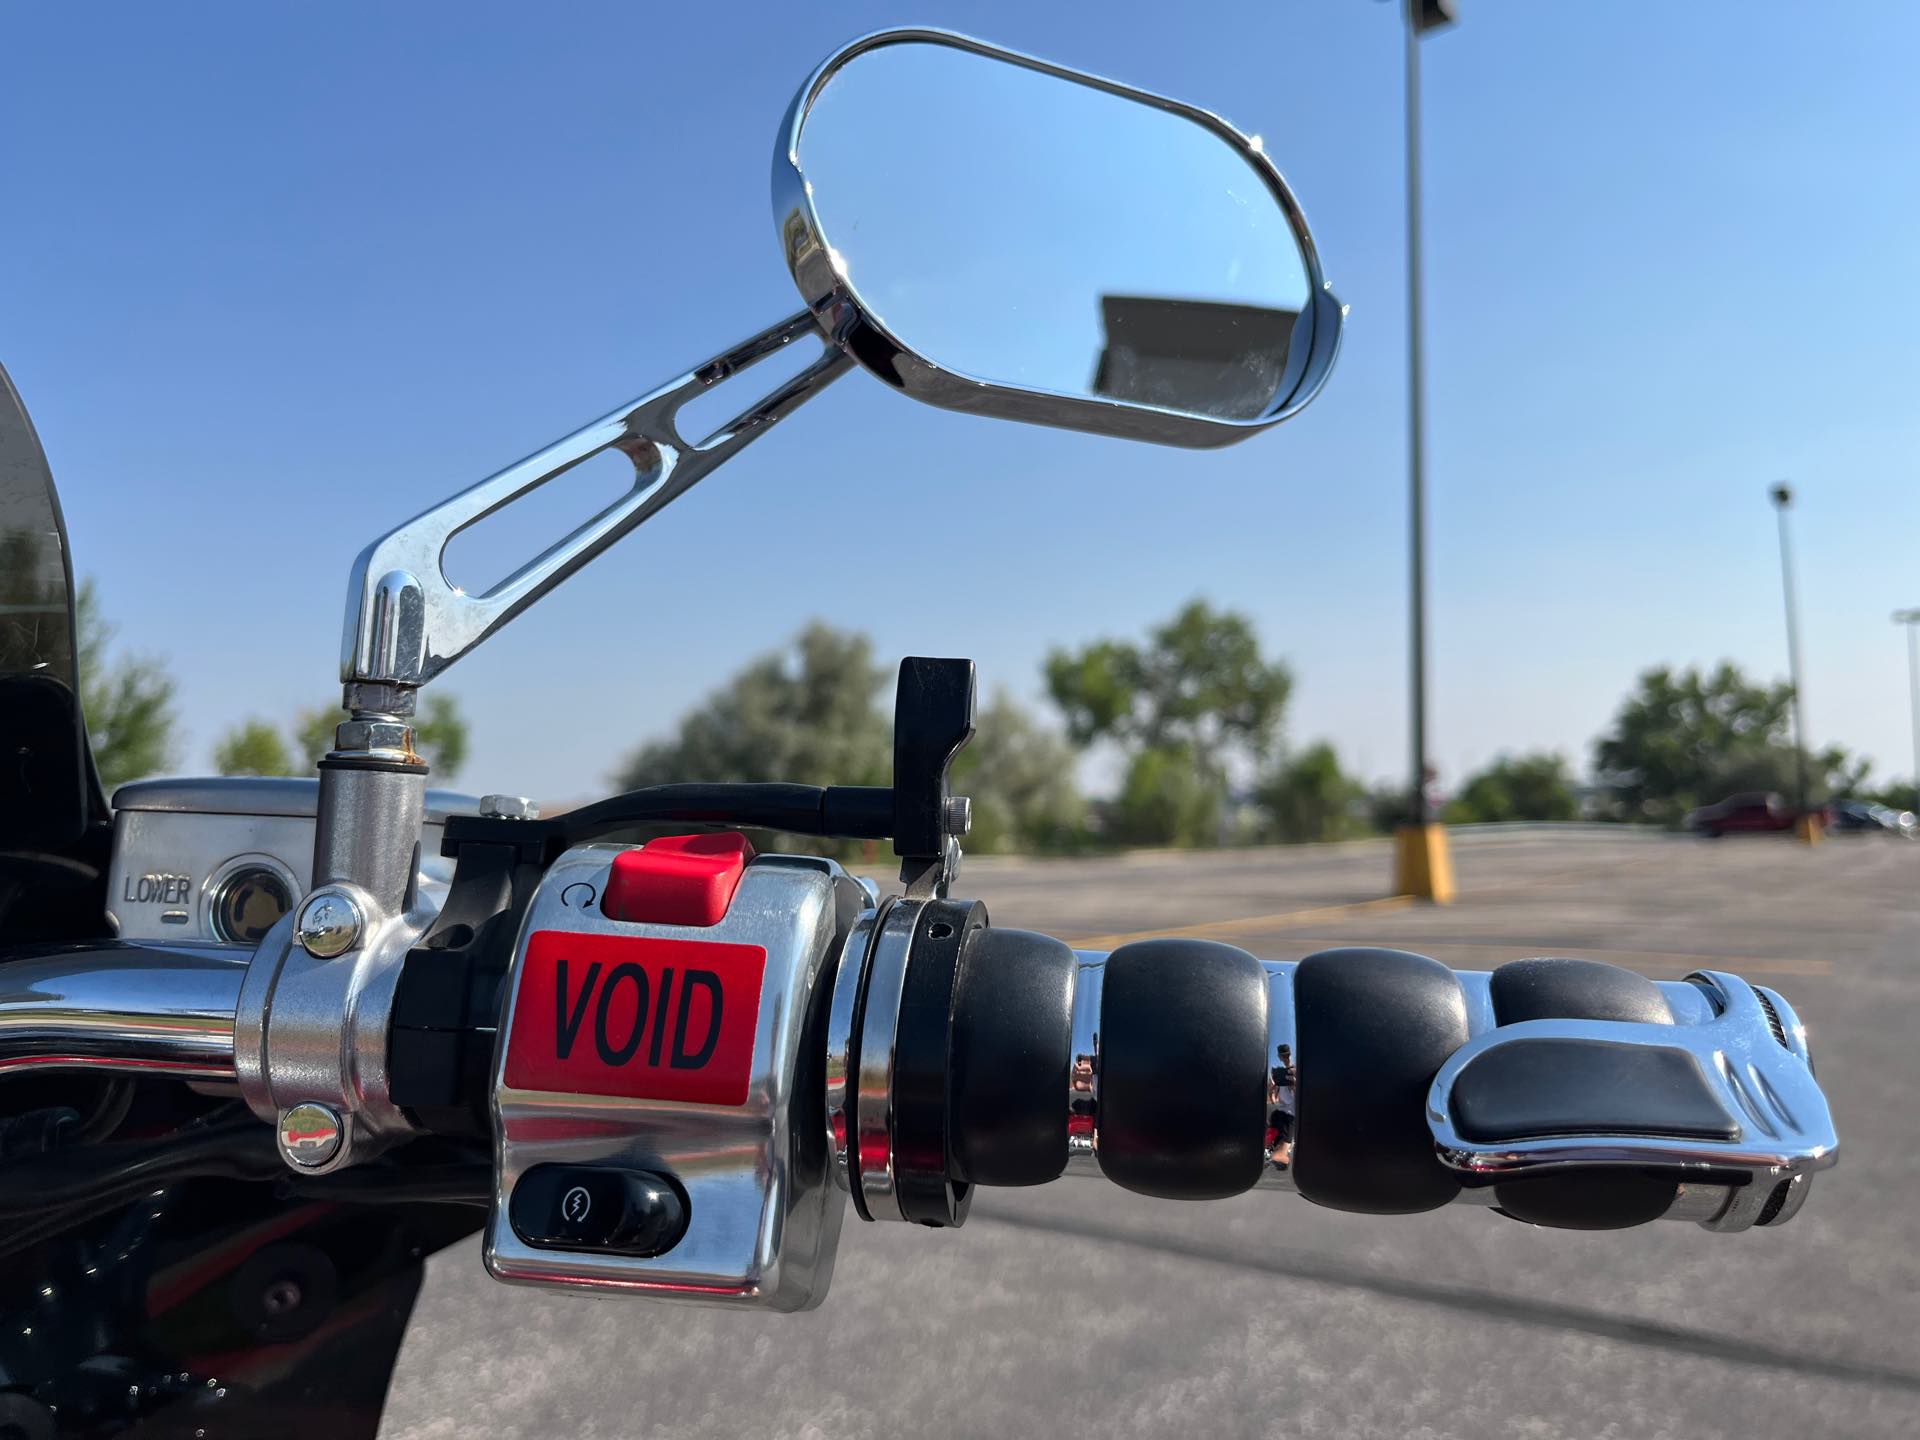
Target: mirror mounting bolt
(310, 1134)
(329, 925)
(381, 739)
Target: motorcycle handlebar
(1563, 1092)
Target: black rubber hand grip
(1183, 1069)
(1374, 1028)
(1012, 1034)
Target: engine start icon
(575, 1204)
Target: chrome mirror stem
(406, 622)
(334, 964)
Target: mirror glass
(1022, 229)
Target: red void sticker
(639, 1016)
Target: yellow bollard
(1808, 829)
(1422, 864)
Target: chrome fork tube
(127, 1008)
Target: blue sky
(274, 278)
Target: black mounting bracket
(932, 721)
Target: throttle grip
(686, 1098)
(1562, 1092)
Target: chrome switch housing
(638, 1057)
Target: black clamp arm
(932, 722)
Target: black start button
(594, 1207)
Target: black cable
(61, 1192)
(116, 1099)
(80, 1176)
(848, 812)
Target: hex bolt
(310, 1134)
(957, 816)
(281, 1297)
(508, 807)
(329, 924)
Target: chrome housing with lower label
(208, 859)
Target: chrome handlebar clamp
(312, 1028)
(657, 1088)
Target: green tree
(313, 732)
(254, 748)
(128, 702)
(1310, 798)
(1689, 738)
(808, 714)
(805, 714)
(1832, 774)
(1168, 798)
(440, 734)
(1516, 787)
(1895, 795)
(1020, 778)
(811, 714)
(1681, 735)
(1839, 774)
(1192, 702)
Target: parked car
(1754, 812)
(1858, 817)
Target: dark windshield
(36, 594)
(48, 791)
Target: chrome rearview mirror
(983, 231)
(992, 233)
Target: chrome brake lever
(1733, 1094)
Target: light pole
(1911, 619)
(1804, 825)
(1422, 865)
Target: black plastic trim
(922, 1065)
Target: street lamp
(1804, 825)
(1911, 619)
(1422, 865)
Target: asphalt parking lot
(1077, 1308)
